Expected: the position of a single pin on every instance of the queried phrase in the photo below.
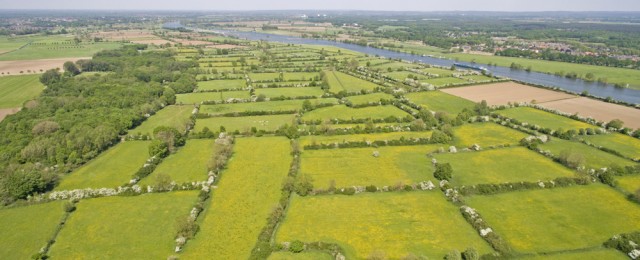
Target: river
(573, 85)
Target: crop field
(592, 158)
(197, 98)
(418, 223)
(346, 113)
(506, 92)
(501, 165)
(440, 101)
(339, 81)
(543, 119)
(330, 139)
(369, 98)
(558, 219)
(286, 105)
(15, 90)
(243, 124)
(102, 172)
(172, 116)
(289, 92)
(599, 110)
(358, 166)
(221, 84)
(247, 193)
(187, 165)
(624, 144)
(133, 223)
(486, 134)
(24, 230)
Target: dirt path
(15, 66)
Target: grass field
(245, 196)
(440, 101)
(396, 65)
(197, 98)
(629, 183)
(443, 82)
(357, 166)
(593, 158)
(501, 165)
(287, 76)
(50, 51)
(267, 123)
(187, 165)
(402, 75)
(172, 116)
(289, 92)
(601, 253)
(339, 81)
(558, 219)
(485, 134)
(15, 90)
(141, 227)
(112, 168)
(624, 144)
(330, 139)
(306, 255)
(24, 230)
(437, 72)
(420, 223)
(543, 119)
(346, 113)
(285, 105)
(221, 84)
(364, 99)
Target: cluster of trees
(76, 118)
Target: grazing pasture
(245, 123)
(221, 84)
(439, 101)
(629, 183)
(370, 98)
(331, 139)
(188, 164)
(24, 230)
(486, 134)
(246, 194)
(339, 81)
(102, 172)
(343, 112)
(171, 116)
(197, 98)
(589, 157)
(501, 165)
(358, 166)
(138, 227)
(543, 119)
(397, 224)
(558, 219)
(286, 105)
(624, 144)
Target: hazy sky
(391, 5)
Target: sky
(378, 5)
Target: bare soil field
(14, 67)
(124, 35)
(599, 110)
(505, 92)
(152, 41)
(4, 112)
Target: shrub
(371, 188)
(615, 123)
(470, 254)
(186, 226)
(69, 206)
(443, 171)
(303, 185)
(453, 255)
(296, 246)
(571, 158)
